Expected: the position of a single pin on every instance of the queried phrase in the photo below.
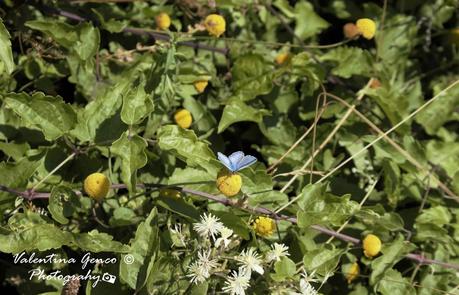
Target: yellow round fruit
(215, 24)
(228, 183)
(371, 246)
(96, 185)
(183, 118)
(169, 193)
(163, 21)
(264, 226)
(367, 27)
(350, 31)
(282, 58)
(200, 86)
(353, 272)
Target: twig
(322, 145)
(72, 155)
(278, 161)
(440, 94)
(263, 211)
(402, 151)
(370, 190)
(136, 31)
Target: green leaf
(14, 150)
(40, 237)
(402, 31)
(100, 120)
(252, 76)
(83, 39)
(131, 150)
(444, 154)
(322, 260)
(391, 254)
(200, 289)
(30, 231)
(180, 207)
(394, 284)
(35, 110)
(186, 146)
(237, 111)
(6, 54)
(235, 223)
(88, 43)
(285, 268)
(137, 104)
(15, 176)
(95, 241)
(442, 110)
(308, 23)
(123, 216)
(438, 215)
(349, 61)
(61, 32)
(203, 118)
(143, 250)
(324, 208)
(62, 203)
(194, 178)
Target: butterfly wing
(225, 161)
(235, 158)
(245, 162)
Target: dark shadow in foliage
(22, 135)
(110, 130)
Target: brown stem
(259, 210)
(136, 31)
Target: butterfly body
(236, 161)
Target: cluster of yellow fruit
(264, 226)
(364, 26)
(215, 24)
(371, 247)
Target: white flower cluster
(249, 260)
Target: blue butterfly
(236, 161)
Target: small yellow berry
(96, 185)
(367, 27)
(163, 21)
(215, 24)
(200, 86)
(228, 183)
(353, 272)
(371, 245)
(281, 58)
(169, 193)
(183, 118)
(264, 226)
(350, 30)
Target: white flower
(201, 268)
(250, 260)
(205, 262)
(278, 251)
(197, 273)
(208, 225)
(306, 288)
(237, 282)
(226, 234)
(177, 231)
